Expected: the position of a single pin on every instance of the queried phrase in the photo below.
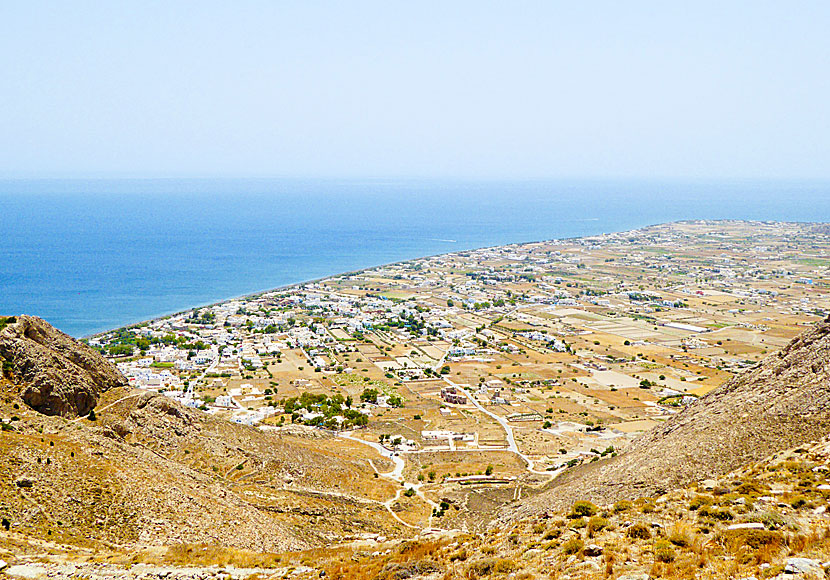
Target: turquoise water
(92, 255)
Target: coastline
(105, 255)
(292, 285)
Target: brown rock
(57, 374)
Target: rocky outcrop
(56, 374)
(781, 403)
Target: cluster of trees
(125, 342)
(199, 317)
(328, 407)
(370, 395)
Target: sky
(426, 89)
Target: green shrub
(622, 506)
(709, 511)
(755, 539)
(482, 567)
(579, 523)
(504, 566)
(584, 509)
(573, 546)
(771, 520)
(751, 488)
(639, 532)
(700, 501)
(597, 524)
(679, 538)
(798, 501)
(663, 551)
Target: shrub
(798, 501)
(699, 502)
(755, 539)
(573, 546)
(771, 520)
(679, 537)
(751, 488)
(639, 532)
(622, 506)
(715, 513)
(584, 509)
(482, 567)
(663, 551)
(596, 524)
(579, 523)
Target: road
(397, 472)
(511, 440)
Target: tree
(369, 396)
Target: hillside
(144, 470)
(147, 481)
(768, 520)
(781, 403)
(55, 374)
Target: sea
(90, 255)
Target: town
(486, 366)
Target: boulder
(25, 571)
(803, 566)
(746, 526)
(56, 374)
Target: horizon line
(413, 178)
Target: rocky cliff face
(783, 402)
(56, 374)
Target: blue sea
(91, 255)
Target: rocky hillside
(736, 485)
(144, 470)
(148, 471)
(781, 403)
(55, 374)
(765, 521)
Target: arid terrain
(652, 403)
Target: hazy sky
(475, 89)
